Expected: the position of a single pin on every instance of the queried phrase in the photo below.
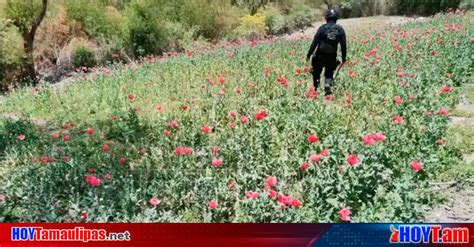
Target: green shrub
(302, 15)
(83, 56)
(274, 19)
(11, 53)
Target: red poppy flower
(206, 129)
(348, 100)
(66, 158)
(379, 137)
(215, 149)
(296, 203)
(304, 166)
(313, 138)
(443, 112)
(446, 89)
(83, 216)
(261, 115)
(311, 93)
(328, 97)
(172, 124)
(66, 138)
(267, 72)
(131, 97)
(238, 91)
(122, 160)
(154, 201)
(20, 137)
(440, 142)
(252, 195)
(183, 150)
(92, 180)
(216, 162)
(345, 214)
(184, 107)
(314, 158)
(58, 150)
(325, 152)
(397, 119)
(213, 204)
(271, 181)
(416, 166)
(107, 177)
(244, 119)
(105, 148)
(398, 100)
(90, 131)
(230, 125)
(369, 140)
(55, 136)
(272, 194)
(353, 160)
(232, 114)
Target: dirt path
(459, 203)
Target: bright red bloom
(440, 142)
(206, 129)
(216, 162)
(215, 149)
(267, 72)
(213, 204)
(379, 136)
(107, 177)
(272, 181)
(296, 203)
(313, 138)
(238, 91)
(184, 107)
(20, 137)
(345, 214)
(92, 180)
(166, 133)
(244, 119)
(304, 166)
(230, 125)
(369, 140)
(353, 160)
(272, 194)
(348, 100)
(285, 200)
(446, 89)
(325, 152)
(397, 47)
(252, 195)
(328, 97)
(105, 148)
(35, 160)
(261, 115)
(232, 114)
(397, 119)
(314, 158)
(283, 81)
(183, 150)
(154, 201)
(83, 216)
(131, 97)
(443, 112)
(416, 166)
(66, 138)
(58, 150)
(398, 100)
(90, 131)
(311, 93)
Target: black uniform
(325, 43)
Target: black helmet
(332, 13)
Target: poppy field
(235, 133)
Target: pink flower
(206, 129)
(314, 158)
(311, 93)
(90, 131)
(272, 181)
(244, 119)
(2, 197)
(92, 180)
(397, 119)
(398, 100)
(154, 201)
(345, 214)
(105, 148)
(443, 112)
(122, 160)
(285, 200)
(369, 140)
(172, 124)
(131, 97)
(416, 166)
(313, 138)
(325, 152)
(232, 114)
(296, 203)
(304, 166)
(252, 195)
(216, 162)
(215, 149)
(213, 204)
(353, 160)
(328, 97)
(20, 137)
(379, 137)
(272, 194)
(55, 136)
(66, 158)
(107, 177)
(83, 216)
(183, 150)
(66, 138)
(166, 133)
(261, 115)
(446, 89)
(440, 142)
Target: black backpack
(330, 38)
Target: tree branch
(39, 19)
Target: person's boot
(327, 86)
(316, 84)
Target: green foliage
(11, 53)
(83, 56)
(22, 12)
(251, 26)
(131, 110)
(274, 19)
